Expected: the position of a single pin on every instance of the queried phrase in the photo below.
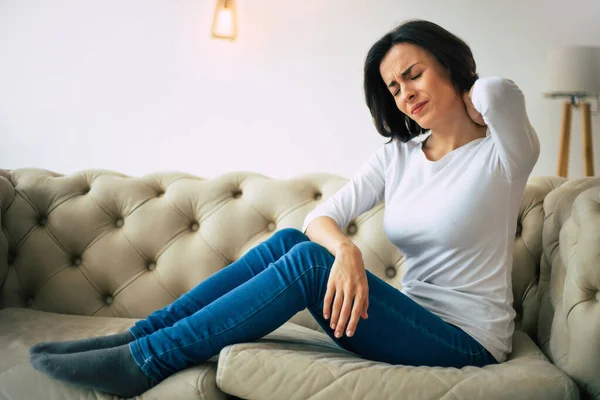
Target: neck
(457, 131)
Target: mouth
(417, 108)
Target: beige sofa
(89, 253)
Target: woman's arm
(325, 231)
(502, 107)
(347, 295)
(358, 195)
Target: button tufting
(119, 222)
(160, 193)
(29, 302)
(271, 226)
(237, 194)
(108, 299)
(77, 261)
(11, 257)
(519, 229)
(390, 272)
(318, 196)
(194, 226)
(43, 221)
(352, 228)
(598, 296)
(86, 190)
(151, 266)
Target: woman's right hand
(348, 289)
(471, 111)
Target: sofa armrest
(570, 323)
(6, 196)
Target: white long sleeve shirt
(454, 219)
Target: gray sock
(75, 346)
(112, 370)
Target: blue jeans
(273, 281)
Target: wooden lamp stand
(565, 136)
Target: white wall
(139, 86)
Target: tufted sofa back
(102, 243)
(569, 321)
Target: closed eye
(412, 79)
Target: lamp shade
(225, 20)
(573, 71)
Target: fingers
(327, 300)
(337, 306)
(352, 308)
(358, 308)
(345, 305)
(472, 111)
(344, 314)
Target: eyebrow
(404, 75)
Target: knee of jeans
(318, 254)
(290, 237)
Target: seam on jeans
(132, 330)
(144, 367)
(430, 334)
(146, 361)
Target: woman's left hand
(473, 113)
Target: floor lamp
(573, 72)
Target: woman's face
(420, 85)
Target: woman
(452, 176)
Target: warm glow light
(224, 23)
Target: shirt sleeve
(502, 106)
(361, 193)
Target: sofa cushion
(298, 363)
(21, 328)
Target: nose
(408, 94)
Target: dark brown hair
(451, 51)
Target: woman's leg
(398, 331)
(230, 277)
(248, 266)
(246, 313)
